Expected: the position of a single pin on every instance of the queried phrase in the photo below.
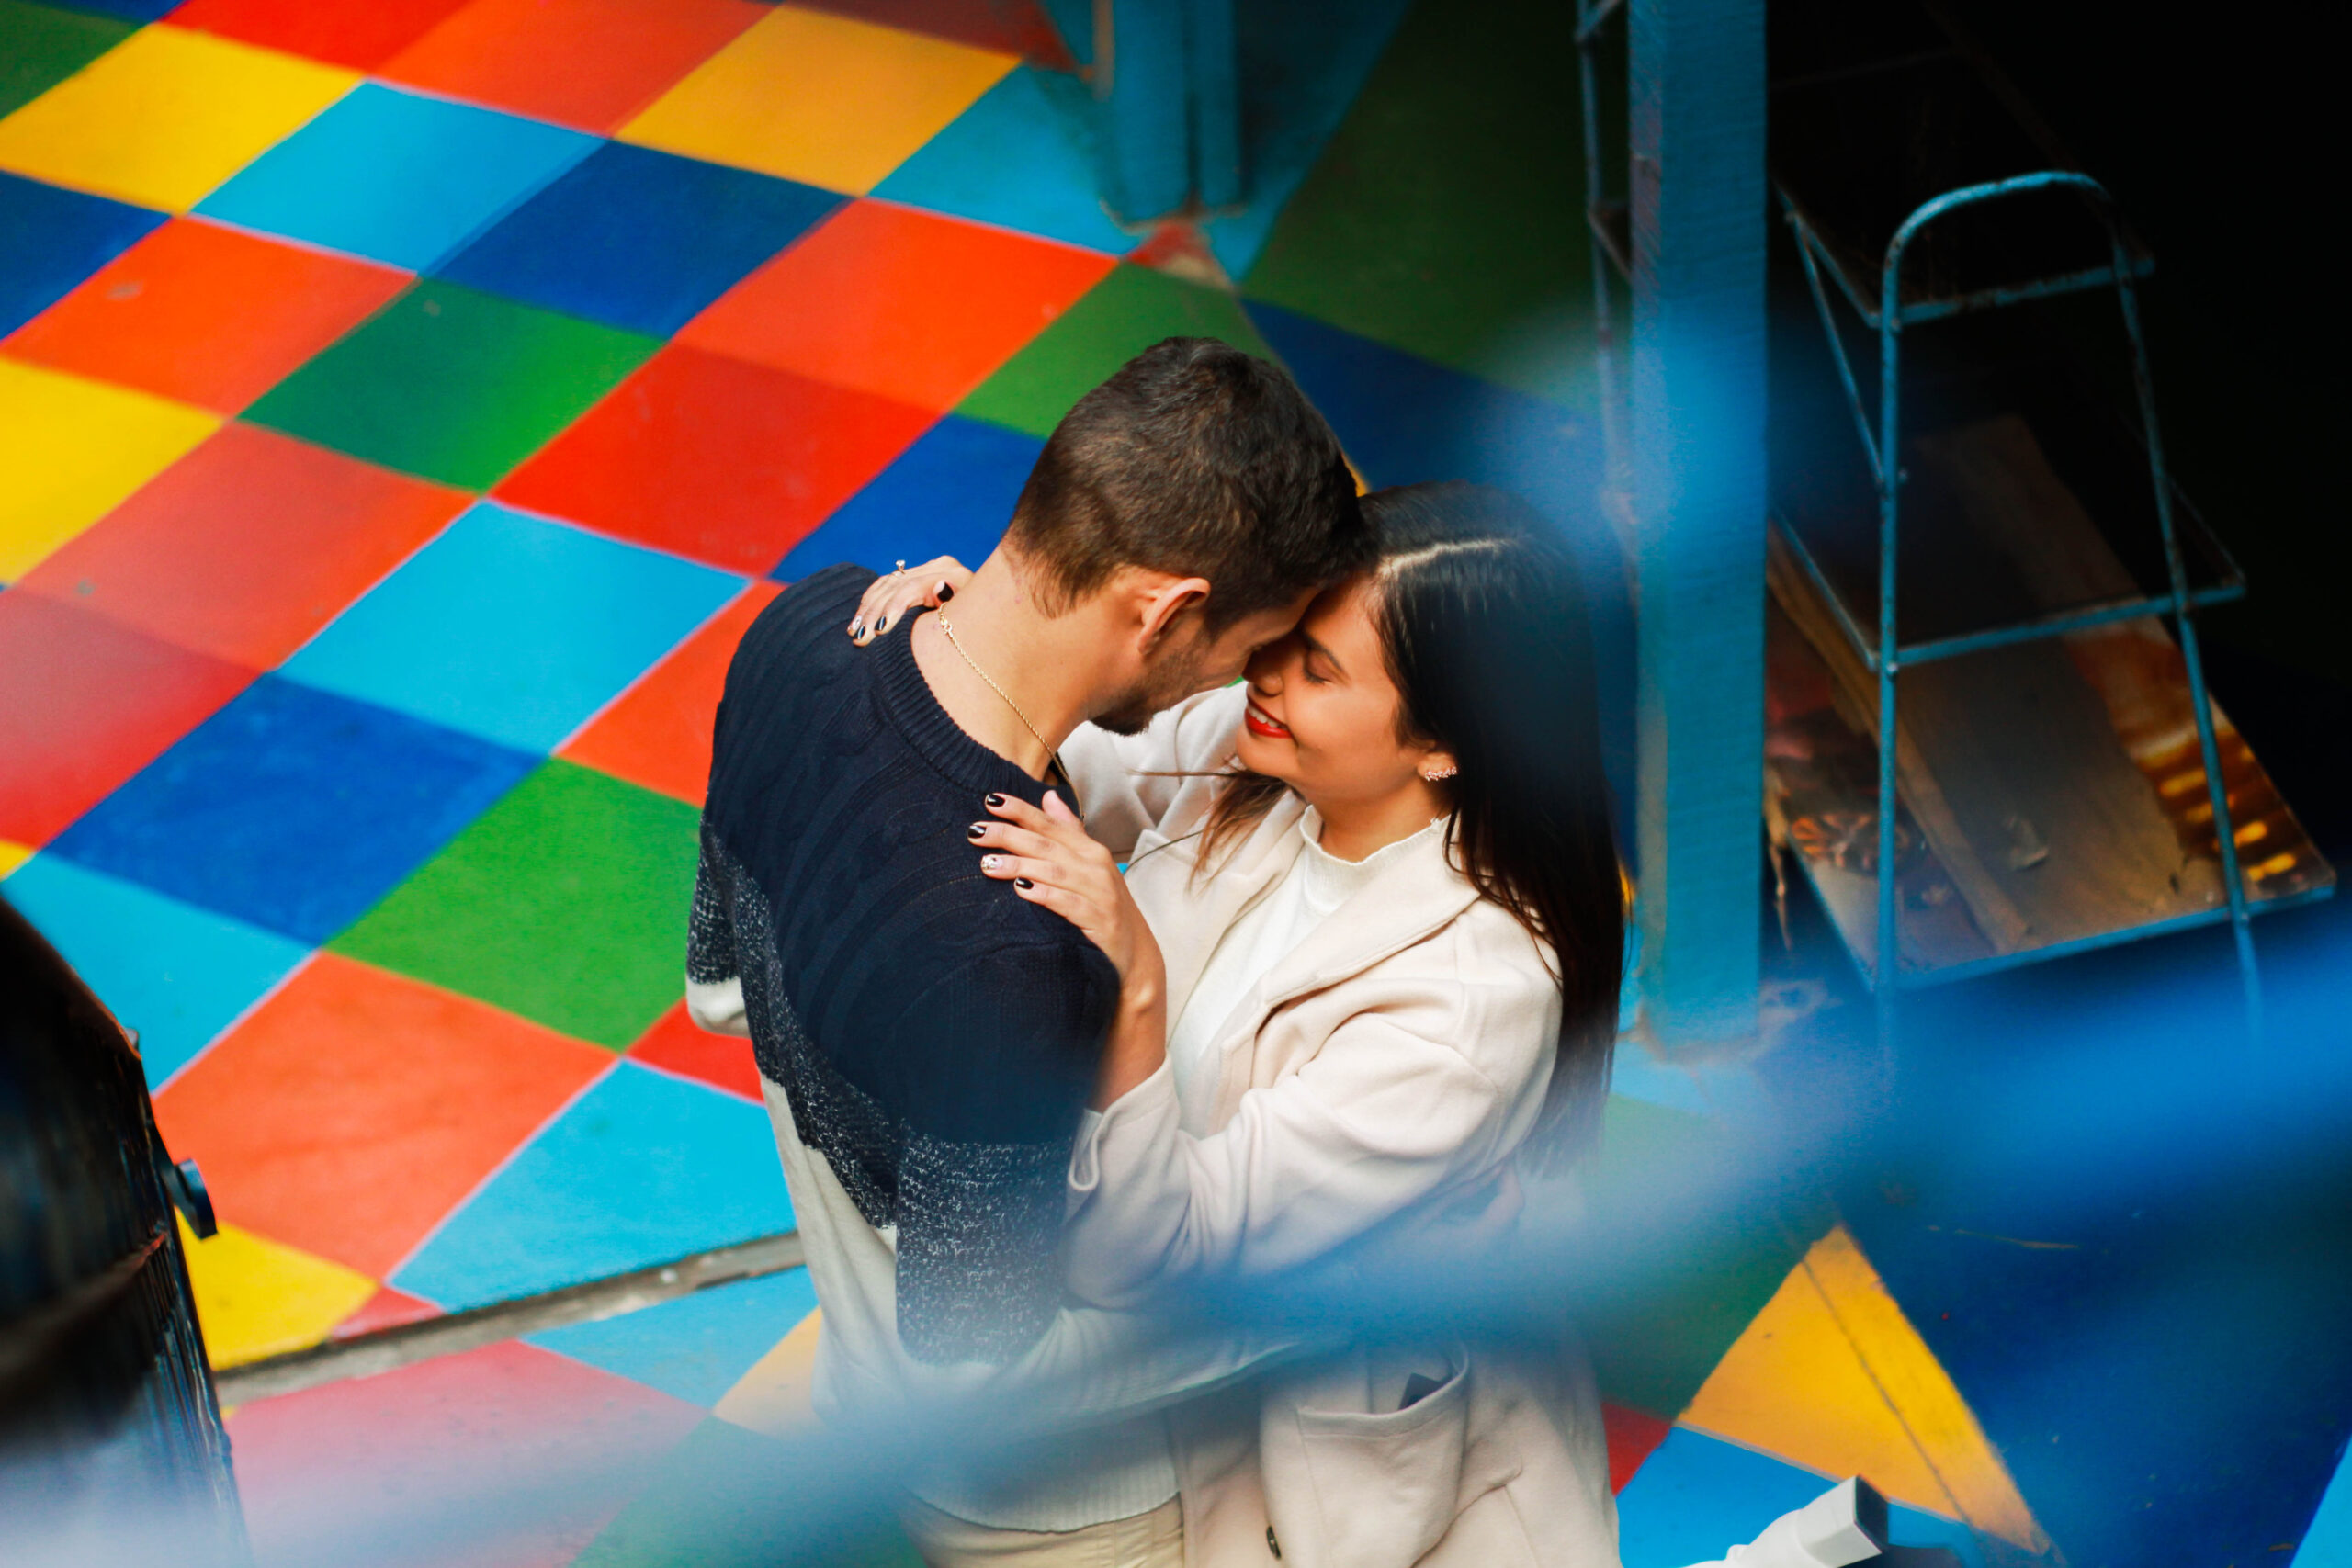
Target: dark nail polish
(976, 830)
(995, 799)
(1022, 882)
(946, 591)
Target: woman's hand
(895, 594)
(1049, 860)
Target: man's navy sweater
(935, 1035)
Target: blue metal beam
(1167, 76)
(1699, 222)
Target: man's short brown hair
(1198, 459)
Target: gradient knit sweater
(934, 1035)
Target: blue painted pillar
(1170, 128)
(1697, 99)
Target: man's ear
(1161, 603)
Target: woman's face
(1322, 713)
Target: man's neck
(1006, 656)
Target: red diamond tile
(85, 703)
(675, 1044)
(589, 64)
(716, 458)
(248, 544)
(657, 732)
(206, 315)
(1013, 27)
(388, 1308)
(904, 304)
(1632, 1438)
(505, 1457)
(360, 36)
(356, 1108)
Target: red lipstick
(1260, 726)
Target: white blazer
(1394, 1062)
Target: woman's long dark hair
(1484, 625)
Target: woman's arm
(1384, 1117)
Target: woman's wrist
(1137, 1043)
(1142, 992)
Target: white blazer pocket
(1365, 1489)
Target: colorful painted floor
(403, 408)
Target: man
(927, 1041)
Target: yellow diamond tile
(1832, 1376)
(819, 98)
(71, 449)
(257, 1297)
(166, 117)
(773, 1397)
(13, 854)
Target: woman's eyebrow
(1314, 646)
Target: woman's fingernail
(994, 799)
(946, 591)
(882, 626)
(1022, 882)
(990, 863)
(855, 627)
(976, 830)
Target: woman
(1371, 932)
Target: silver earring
(1438, 776)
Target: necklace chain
(1052, 755)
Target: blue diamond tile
(949, 494)
(53, 239)
(1698, 1496)
(639, 239)
(512, 628)
(642, 1170)
(1019, 159)
(395, 177)
(176, 973)
(294, 809)
(697, 1347)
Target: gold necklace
(1052, 756)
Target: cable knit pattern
(935, 1035)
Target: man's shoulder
(797, 617)
(801, 637)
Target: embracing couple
(1216, 880)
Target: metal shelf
(1971, 676)
(1973, 685)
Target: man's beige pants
(1148, 1540)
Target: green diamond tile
(1129, 311)
(1711, 1274)
(721, 1499)
(1446, 215)
(452, 384)
(566, 902)
(41, 46)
